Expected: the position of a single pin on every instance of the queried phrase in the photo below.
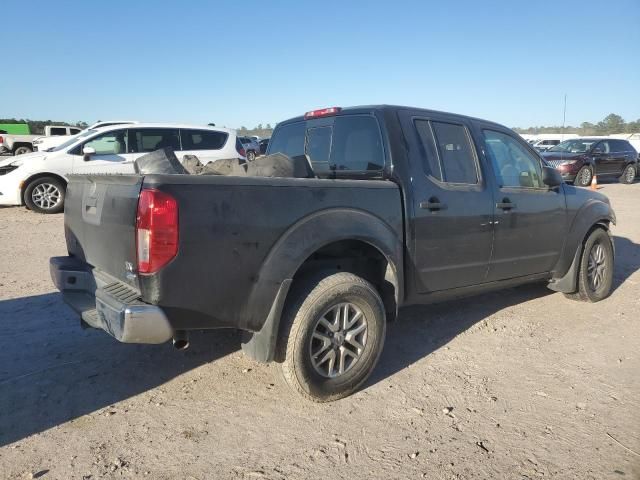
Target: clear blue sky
(244, 62)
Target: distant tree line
(612, 123)
(37, 126)
(259, 130)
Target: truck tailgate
(100, 220)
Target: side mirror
(88, 151)
(551, 177)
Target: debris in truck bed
(164, 161)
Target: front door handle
(506, 204)
(433, 204)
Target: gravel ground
(518, 384)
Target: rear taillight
(1, 140)
(156, 230)
(240, 149)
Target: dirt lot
(518, 384)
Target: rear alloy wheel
(332, 335)
(595, 276)
(584, 177)
(45, 195)
(251, 156)
(22, 150)
(629, 174)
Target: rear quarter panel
(240, 238)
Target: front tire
(629, 174)
(595, 274)
(45, 195)
(22, 150)
(332, 335)
(584, 177)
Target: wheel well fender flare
(593, 214)
(294, 247)
(25, 183)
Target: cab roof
(368, 109)
(164, 125)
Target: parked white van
(48, 142)
(38, 180)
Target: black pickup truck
(402, 206)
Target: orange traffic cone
(594, 183)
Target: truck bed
(238, 237)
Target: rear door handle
(432, 205)
(506, 205)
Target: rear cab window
(58, 131)
(342, 145)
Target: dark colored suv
(579, 159)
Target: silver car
(251, 147)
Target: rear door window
(454, 159)
(203, 139)
(619, 146)
(58, 131)
(456, 153)
(603, 147)
(150, 139)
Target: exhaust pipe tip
(181, 340)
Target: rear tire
(251, 156)
(584, 177)
(332, 335)
(45, 195)
(629, 174)
(21, 150)
(595, 274)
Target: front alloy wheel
(45, 195)
(584, 176)
(597, 267)
(595, 274)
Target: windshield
(72, 140)
(573, 146)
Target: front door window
(514, 165)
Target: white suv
(39, 179)
(43, 143)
